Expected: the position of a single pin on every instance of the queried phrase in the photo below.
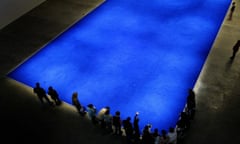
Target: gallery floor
(23, 120)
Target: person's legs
(47, 99)
(118, 130)
(233, 55)
(41, 99)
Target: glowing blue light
(131, 55)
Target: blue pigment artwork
(131, 55)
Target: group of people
(43, 95)
(183, 124)
(116, 125)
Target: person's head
(37, 84)
(149, 126)
(107, 108)
(50, 88)
(75, 95)
(136, 117)
(146, 127)
(90, 105)
(117, 113)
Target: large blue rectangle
(131, 55)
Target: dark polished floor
(23, 120)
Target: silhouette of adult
(101, 114)
(232, 9)
(117, 123)
(92, 112)
(41, 93)
(235, 49)
(147, 137)
(191, 103)
(136, 127)
(107, 118)
(172, 134)
(128, 127)
(77, 104)
(156, 136)
(164, 137)
(54, 95)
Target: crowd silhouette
(129, 128)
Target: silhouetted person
(107, 118)
(164, 137)
(184, 120)
(117, 123)
(128, 127)
(92, 112)
(235, 49)
(100, 116)
(172, 135)
(191, 103)
(54, 95)
(231, 11)
(181, 129)
(81, 110)
(147, 137)
(41, 93)
(156, 136)
(136, 127)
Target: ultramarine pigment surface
(131, 55)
